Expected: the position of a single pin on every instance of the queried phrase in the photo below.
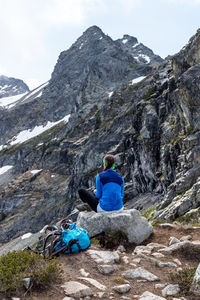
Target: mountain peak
(93, 30)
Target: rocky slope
(100, 99)
(11, 86)
(128, 272)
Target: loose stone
(122, 289)
(108, 257)
(170, 290)
(84, 273)
(158, 255)
(149, 296)
(94, 282)
(173, 240)
(140, 273)
(76, 289)
(186, 238)
(125, 259)
(121, 249)
(160, 285)
(26, 282)
(106, 269)
(177, 261)
(137, 260)
(102, 295)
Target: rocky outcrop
(136, 227)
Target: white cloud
(62, 12)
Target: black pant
(89, 198)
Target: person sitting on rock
(109, 189)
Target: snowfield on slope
(28, 134)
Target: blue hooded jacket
(110, 190)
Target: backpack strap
(74, 242)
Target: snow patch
(147, 58)
(135, 45)
(40, 94)
(110, 94)
(138, 79)
(29, 134)
(137, 58)
(81, 46)
(5, 169)
(8, 102)
(124, 41)
(26, 235)
(101, 38)
(36, 171)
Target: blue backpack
(71, 240)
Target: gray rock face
(84, 75)
(130, 222)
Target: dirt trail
(72, 264)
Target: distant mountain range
(11, 86)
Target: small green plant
(192, 218)
(148, 213)
(132, 65)
(119, 280)
(149, 93)
(174, 141)
(189, 129)
(17, 265)
(112, 240)
(183, 278)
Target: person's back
(109, 189)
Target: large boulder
(136, 227)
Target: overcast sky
(34, 32)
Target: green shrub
(184, 279)
(132, 65)
(149, 93)
(148, 213)
(17, 265)
(119, 280)
(189, 130)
